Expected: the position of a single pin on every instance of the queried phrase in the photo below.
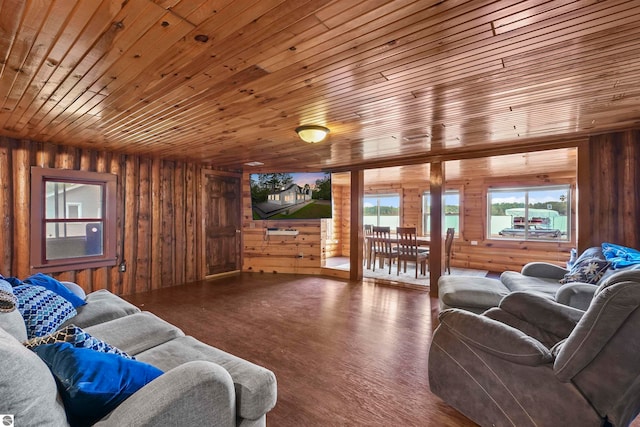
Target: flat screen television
(292, 195)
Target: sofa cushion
(53, 285)
(255, 386)
(589, 270)
(43, 311)
(27, 388)
(78, 338)
(92, 383)
(101, 306)
(474, 294)
(13, 323)
(515, 281)
(136, 333)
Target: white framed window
(529, 213)
(450, 211)
(382, 210)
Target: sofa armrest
(577, 294)
(544, 269)
(194, 393)
(495, 338)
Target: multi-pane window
(382, 210)
(73, 219)
(450, 211)
(529, 213)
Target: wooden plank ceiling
(226, 82)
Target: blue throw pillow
(54, 285)
(91, 383)
(620, 256)
(588, 270)
(43, 311)
(78, 338)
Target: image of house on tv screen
(291, 195)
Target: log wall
(156, 222)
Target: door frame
(203, 233)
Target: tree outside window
(382, 210)
(450, 211)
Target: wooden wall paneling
(339, 245)
(179, 222)
(115, 276)
(411, 210)
(157, 236)
(132, 195)
(156, 224)
(168, 237)
(191, 248)
(609, 194)
(21, 208)
(6, 206)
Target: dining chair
(408, 250)
(368, 232)
(448, 245)
(381, 247)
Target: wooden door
(222, 201)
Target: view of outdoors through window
(73, 220)
(382, 210)
(450, 208)
(536, 213)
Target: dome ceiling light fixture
(312, 133)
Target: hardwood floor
(344, 354)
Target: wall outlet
(474, 243)
(122, 267)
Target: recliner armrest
(544, 269)
(493, 337)
(576, 294)
(195, 393)
(548, 315)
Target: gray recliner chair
(534, 362)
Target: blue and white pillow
(56, 286)
(589, 270)
(78, 338)
(43, 311)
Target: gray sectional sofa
(534, 362)
(201, 385)
(479, 294)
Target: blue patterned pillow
(56, 286)
(78, 338)
(43, 311)
(589, 270)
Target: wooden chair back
(448, 246)
(381, 246)
(408, 250)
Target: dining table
(422, 242)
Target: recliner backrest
(601, 356)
